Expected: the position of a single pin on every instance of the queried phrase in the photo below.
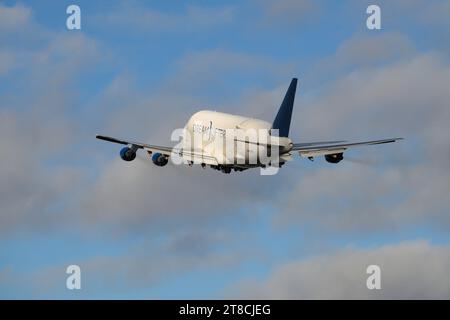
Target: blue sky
(139, 69)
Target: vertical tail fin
(282, 121)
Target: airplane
(213, 127)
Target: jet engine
(127, 154)
(334, 158)
(159, 159)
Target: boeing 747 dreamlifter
(228, 142)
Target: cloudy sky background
(139, 69)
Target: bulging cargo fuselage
(222, 139)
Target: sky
(139, 69)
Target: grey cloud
(361, 199)
(132, 15)
(30, 192)
(122, 195)
(374, 47)
(198, 242)
(35, 129)
(364, 50)
(139, 268)
(289, 11)
(147, 267)
(259, 103)
(195, 82)
(217, 64)
(7, 62)
(408, 97)
(348, 198)
(409, 270)
(428, 17)
(13, 17)
(437, 14)
(15, 23)
(409, 181)
(390, 98)
(432, 13)
(138, 194)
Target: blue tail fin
(282, 121)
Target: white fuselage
(216, 138)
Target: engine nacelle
(159, 159)
(127, 154)
(335, 157)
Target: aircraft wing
(317, 143)
(138, 145)
(192, 155)
(319, 149)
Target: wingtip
(100, 137)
